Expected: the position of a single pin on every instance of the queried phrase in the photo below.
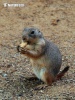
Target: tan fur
(34, 51)
(47, 78)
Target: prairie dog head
(30, 37)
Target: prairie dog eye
(32, 32)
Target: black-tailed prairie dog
(44, 55)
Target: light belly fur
(39, 67)
(39, 72)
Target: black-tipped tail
(62, 72)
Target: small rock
(41, 91)
(1, 91)
(1, 71)
(4, 75)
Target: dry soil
(56, 20)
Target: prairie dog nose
(25, 38)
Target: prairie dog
(44, 55)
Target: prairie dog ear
(23, 44)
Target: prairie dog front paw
(30, 47)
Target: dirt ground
(56, 19)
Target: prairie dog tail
(62, 72)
